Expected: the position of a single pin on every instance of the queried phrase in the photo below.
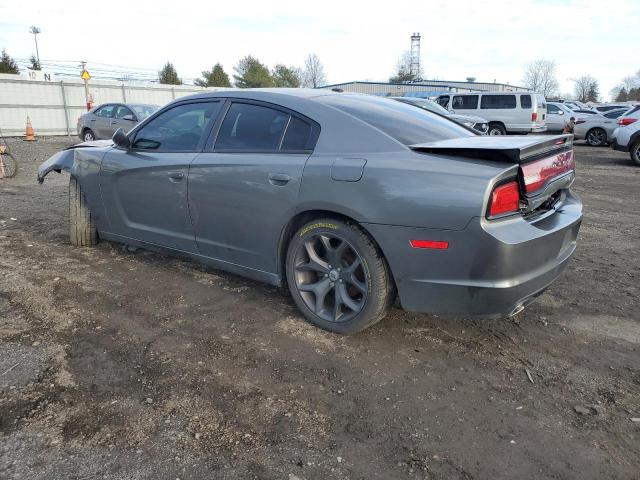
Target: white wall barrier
(54, 104)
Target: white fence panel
(54, 106)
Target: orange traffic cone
(30, 136)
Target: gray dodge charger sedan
(347, 199)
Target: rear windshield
(404, 123)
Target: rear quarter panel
(403, 188)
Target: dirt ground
(119, 364)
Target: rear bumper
(490, 268)
(616, 146)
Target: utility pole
(85, 76)
(35, 30)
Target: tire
(596, 137)
(361, 287)
(82, 230)
(496, 129)
(88, 135)
(634, 153)
(9, 166)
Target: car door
(123, 118)
(100, 123)
(555, 118)
(144, 188)
(244, 188)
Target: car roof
(494, 93)
(265, 93)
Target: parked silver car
(102, 121)
(558, 114)
(597, 130)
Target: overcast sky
(491, 40)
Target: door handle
(175, 176)
(279, 179)
(114, 123)
(92, 120)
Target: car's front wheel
(88, 135)
(634, 152)
(496, 129)
(596, 137)
(82, 229)
(338, 277)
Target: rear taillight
(623, 122)
(534, 116)
(505, 199)
(537, 174)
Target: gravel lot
(131, 365)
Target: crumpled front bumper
(491, 268)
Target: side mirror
(560, 112)
(129, 117)
(121, 140)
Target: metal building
(425, 88)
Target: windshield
(405, 123)
(143, 111)
(429, 105)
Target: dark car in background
(102, 121)
(477, 123)
(347, 199)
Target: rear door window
(298, 135)
(249, 127)
(122, 111)
(465, 102)
(498, 102)
(179, 129)
(525, 101)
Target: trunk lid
(546, 164)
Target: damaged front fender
(60, 161)
(65, 159)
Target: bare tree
(586, 89)
(313, 75)
(540, 76)
(630, 83)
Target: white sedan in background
(597, 130)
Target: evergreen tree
(284, 76)
(35, 64)
(250, 73)
(7, 64)
(216, 77)
(168, 75)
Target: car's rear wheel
(88, 135)
(82, 229)
(497, 129)
(338, 277)
(596, 137)
(634, 152)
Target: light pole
(35, 30)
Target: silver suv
(626, 138)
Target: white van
(507, 112)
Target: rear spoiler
(509, 149)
